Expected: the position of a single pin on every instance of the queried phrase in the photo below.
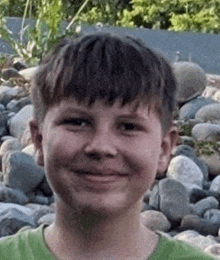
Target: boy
(102, 128)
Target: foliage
(46, 32)
(177, 15)
(206, 148)
(106, 12)
(185, 130)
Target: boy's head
(105, 66)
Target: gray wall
(203, 49)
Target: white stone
(155, 220)
(19, 122)
(184, 170)
(215, 185)
(196, 240)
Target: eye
(129, 127)
(77, 122)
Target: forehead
(137, 107)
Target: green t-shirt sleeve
(27, 245)
(172, 249)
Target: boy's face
(101, 158)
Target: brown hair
(104, 66)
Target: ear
(169, 140)
(36, 136)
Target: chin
(102, 206)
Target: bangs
(102, 68)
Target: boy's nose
(100, 145)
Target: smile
(101, 176)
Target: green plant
(206, 148)
(106, 12)
(177, 15)
(185, 130)
(46, 32)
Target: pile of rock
(184, 203)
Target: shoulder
(173, 249)
(24, 245)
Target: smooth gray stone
(39, 210)
(189, 110)
(205, 204)
(19, 122)
(47, 219)
(16, 105)
(11, 144)
(7, 94)
(9, 195)
(203, 226)
(10, 73)
(206, 132)
(21, 172)
(12, 219)
(189, 152)
(155, 220)
(209, 113)
(174, 199)
(213, 215)
(215, 185)
(186, 171)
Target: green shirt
(30, 245)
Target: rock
(7, 94)
(155, 220)
(209, 113)
(195, 239)
(39, 211)
(206, 132)
(10, 73)
(215, 185)
(2, 108)
(5, 206)
(213, 163)
(11, 144)
(186, 140)
(208, 203)
(45, 188)
(213, 215)
(16, 105)
(209, 92)
(9, 195)
(154, 199)
(189, 110)
(28, 73)
(213, 250)
(203, 226)
(184, 170)
(3, 123)
(12, 219)
(19, 122)
(174, 200)
(191, 80)
(29, 149)
(20, 171)
(39, 199)
(198, 194)
(190, 153)
(47, 219)
(26, 138)
(19, 65)
(216, 96)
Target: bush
(46, 32)
(177, 15)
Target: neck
(89, 236)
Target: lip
(101, 176)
